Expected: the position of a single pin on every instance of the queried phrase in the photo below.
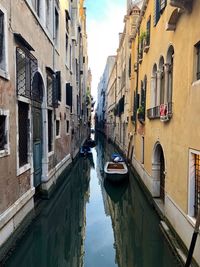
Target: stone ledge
(7, 215)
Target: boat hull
(115, 172)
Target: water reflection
(92, 223)
(139, 241)
(56, 238)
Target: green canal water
(89, 222)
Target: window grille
(2, 132)
(197, 185)
(26, 66)
(49, 90)
(1, 35)
(162, 5)
(23, 125)
(50, 133)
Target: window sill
(23, 169)
(191, 220)
(196, 83)
(4, 74)
(58, 137)
(4, 153)
(51, 153)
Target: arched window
(169, 73)
(154, 87)
(161, 80)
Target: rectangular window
(56, 26)
(23, 129)
(148, 32)
(36, 6)
(57, 128)
(67, 126)
(198, 61)
(2, 132)
(156, 11)
(50, 131)
(1, 37)
(197, 185)
(142, 150)
(66, 48)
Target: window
(50, 131)
(36, 6)
(1, 36)
(57, 128)
(56, 26)
(67, 126)
(156, 11)
(49, 90)
(142, 150)
(23, 129)
(194, 183)
(148, 32)
(2, 132)
(66, 48)
(198, 61)
(197, 185)
(49, 15)
(3, 44)
(68, 94)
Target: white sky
(103, 26)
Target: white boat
(115, 171)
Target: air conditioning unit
(164, 112)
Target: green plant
(142, 36)
(140, 110)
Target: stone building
(43, 79)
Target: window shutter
(148, 32)
(156, 11)
(68, 94)
(1, 34)
(55, 93)
(58, 84)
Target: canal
(89, 222)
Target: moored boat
(115, 171)
(85, 151)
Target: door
(162, 176)
(37, 145)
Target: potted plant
(141, 114)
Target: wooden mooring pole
(193, 241)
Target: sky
(104, 23)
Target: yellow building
(164, 128)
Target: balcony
(185, 5)
(153, 113)
(162, 112)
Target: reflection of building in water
(57, 236)
(138, 240)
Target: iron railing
(26, 67)
(154, 113)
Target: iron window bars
(197, 185)
(26, 66)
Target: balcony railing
(153, 113)
(162, 112)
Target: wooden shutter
(58, 84)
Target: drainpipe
(137, 77)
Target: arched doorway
(158, 170)
(37, 97)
